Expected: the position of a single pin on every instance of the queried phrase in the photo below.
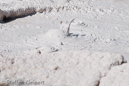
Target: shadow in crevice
(9, 19)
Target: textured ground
(36, 47)
(62, 68)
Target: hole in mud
(9, 19)
(6, 20)
(56, 68)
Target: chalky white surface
(36, 47)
